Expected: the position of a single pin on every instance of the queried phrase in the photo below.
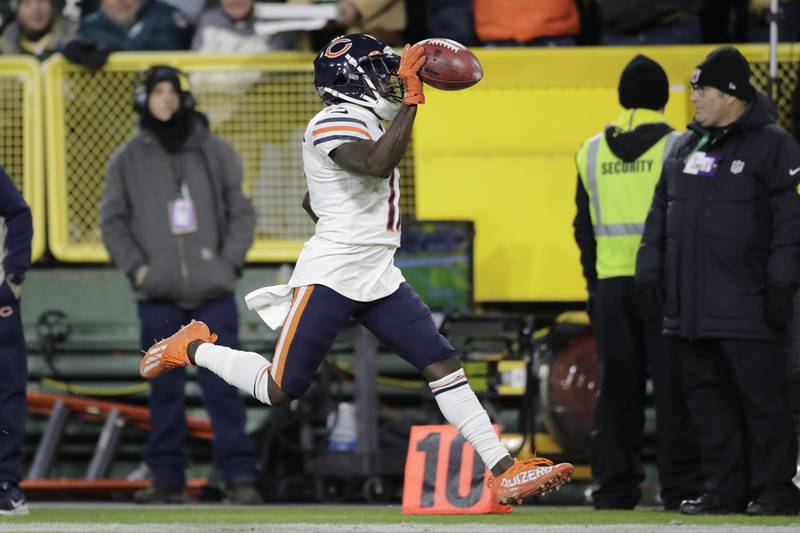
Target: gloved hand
(86, 53)
(590, 307)
(649, 295)
(778, 305)
(410, 62)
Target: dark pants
(13, 407)
(736, 390)
(233, 451)
(400, 321)
(630, 347)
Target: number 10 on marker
(444, 475)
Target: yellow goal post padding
(502, 153)
(260, 104)
(21, 137)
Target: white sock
(461, 407)
(246, 371)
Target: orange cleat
(534, 477)
(173, 351)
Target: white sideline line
(678, 527)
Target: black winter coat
(714, 242)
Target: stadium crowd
(88, 30)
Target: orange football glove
(411, 61)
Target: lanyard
(177, 173)
(701, 143)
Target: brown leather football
(449, 65)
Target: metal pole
(106, 446)
(773, 82)
(46, 451)
(366, 396)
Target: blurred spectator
(137, 25)
(527, 22)
(230, 29)
(633, 22)
(175, 220)
(37, 30)
(451, 19)
(384, 19)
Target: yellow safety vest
(620, 193)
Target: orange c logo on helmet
(338, 47)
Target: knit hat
(160, 73)
(643, 83)
(725, 69)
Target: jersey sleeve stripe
(342, 129)
(338, 137)
(342, 119)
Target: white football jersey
(352, 250)
(352, 208)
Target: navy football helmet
(357, 68)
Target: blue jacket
(158, 26)
(17, 231)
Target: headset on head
(140, 92)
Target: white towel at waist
(271, 303)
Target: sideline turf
(359, 514)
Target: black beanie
(160, 73)
(643, 84)
(172, 134)
(725, 69)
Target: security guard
(618, 169)
(16, 232)
(722, 242)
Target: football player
(346, 269)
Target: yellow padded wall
(502, 154)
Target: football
(449, 65)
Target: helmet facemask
(370, 80)
(380, 76)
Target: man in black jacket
(721, 243)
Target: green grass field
(76, 516)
